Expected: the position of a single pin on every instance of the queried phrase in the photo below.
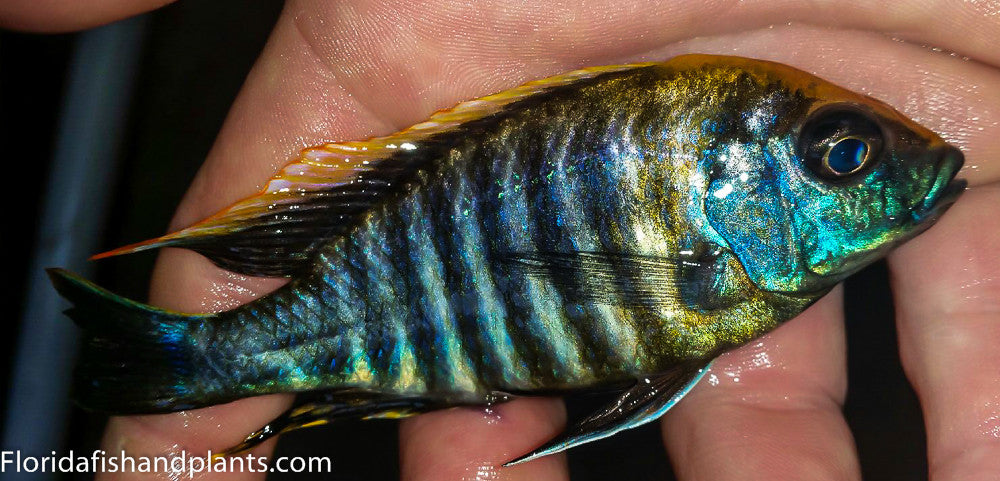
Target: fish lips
(945, 190)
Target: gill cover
(748, 207)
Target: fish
(613, 228)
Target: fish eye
(838, 143)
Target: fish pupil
(847, 155)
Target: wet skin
(782, 418)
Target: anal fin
(649, 399)
(319, 408)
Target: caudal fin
(135, 358)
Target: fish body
(580, 232)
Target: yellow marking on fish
(361, 374)
(318, 422)
(399, 414)
(409, 379)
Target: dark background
(194, 57)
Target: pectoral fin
(702, 276)
(649, 399)
(618, 279)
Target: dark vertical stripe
(382, 319)
(539, 342)
(329, 316)
(442, 199)
(368, 326)
(494, 208)
(553, 233)
(421, 330)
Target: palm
(336, 71)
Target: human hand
(339, 71)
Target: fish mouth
(945, 190)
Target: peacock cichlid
(610, 228)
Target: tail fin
(135, 358)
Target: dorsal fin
(322, 192)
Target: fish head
(868, 179)
(831, 183)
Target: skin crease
(349, 70)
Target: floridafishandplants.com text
(101, 461)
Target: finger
(771, 409)
(947, 292)
(68, 15)
(470, 443)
